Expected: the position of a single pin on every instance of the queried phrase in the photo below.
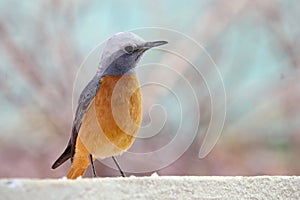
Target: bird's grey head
(122, 53)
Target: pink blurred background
(255, 45)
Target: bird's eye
(129, 49)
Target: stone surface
(154, 187)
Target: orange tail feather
(76, 172)
(81, 161)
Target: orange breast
(119, 108)
(114, 116)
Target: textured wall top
(262, 187)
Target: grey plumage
(85, 98)
(123, 63)
(84, 101)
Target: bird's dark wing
(84, 101)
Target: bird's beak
(149, 45)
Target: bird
(109, 111)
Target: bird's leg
(92, 165)
(118, 166)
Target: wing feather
(85, 98)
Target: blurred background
(255, 45)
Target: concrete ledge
(154, 187)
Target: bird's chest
(118, 108)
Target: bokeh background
(255, 45)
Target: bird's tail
(81, 161)
(64, 157)
(76, 172)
